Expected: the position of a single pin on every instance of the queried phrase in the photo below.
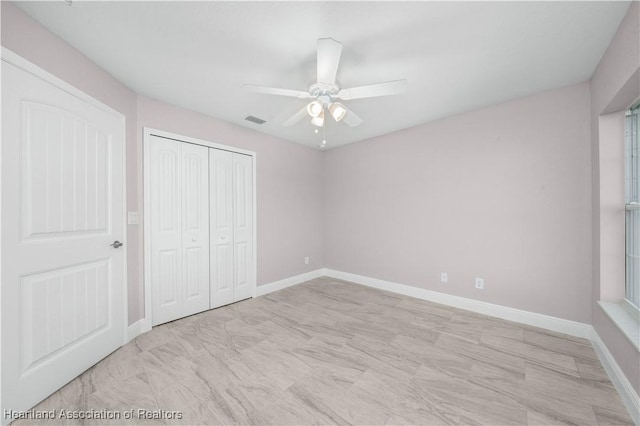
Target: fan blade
(329, 52)
(351, 118)
(296, 117)
(276, 91)
(372, 90)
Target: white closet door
(195, 228)
(242, 226)
(179, 229)
(221, 219)
(166, 236)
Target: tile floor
(330, 352)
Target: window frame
(632, 209)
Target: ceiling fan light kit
(314, 109)
(337, 110)
(318, 120)
(326, 92)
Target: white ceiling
(457, 56)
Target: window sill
(625, 320)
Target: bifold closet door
(243, 226)
(231, 201)
(179, 216)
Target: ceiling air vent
(256, 120)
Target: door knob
(116, 244)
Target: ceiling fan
(325, 94)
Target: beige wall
(500, 193)
(288, 175)
(614, 86)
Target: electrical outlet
(306, 260)
(444, 277)
(480, 283)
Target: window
(632, 205)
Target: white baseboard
(628, 394)
(288, 282)
(559, 325)
(137, 328)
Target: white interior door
(62, 208)
(179, 226)
(243, 226)
(222, 227)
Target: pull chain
(323, 145)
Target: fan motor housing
(324, 92)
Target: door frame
(146, 140)
(18, 61)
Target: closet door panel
(221, 222)
(166, 229)
(242, 226)
(195, 228)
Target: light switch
(132, 218)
